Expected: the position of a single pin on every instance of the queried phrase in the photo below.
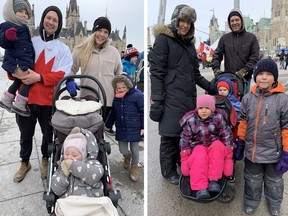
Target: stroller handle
(58, 90)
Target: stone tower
(72, 14)
(279, 23)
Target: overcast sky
(256, 9)
(120, 13)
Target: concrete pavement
(165, 199)
(25, 198)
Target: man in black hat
(239, 48)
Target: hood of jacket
(168, 31)
(181, 12)
(227, 80)
(241, 17)
(41, 26)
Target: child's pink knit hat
(206, 101)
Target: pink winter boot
(20, 106)
(7, 101)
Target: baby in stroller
(206, 145)
(79, 172)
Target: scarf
(10, 16)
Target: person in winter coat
(263, 134)
(174, 69)
(129, 62)
(140, 72)
(57, 56)
(96, 57)
(19, 54)
(207, 154)
(79, 172)
(225, 88)
(239, 48)
(128, 114)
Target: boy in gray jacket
(263, 134)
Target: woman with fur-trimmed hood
(174, 72)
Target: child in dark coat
(128, 114)
(15, 38)
(206, 147)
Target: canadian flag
(205, 48)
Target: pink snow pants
(208, 162)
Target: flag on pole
(205, 48)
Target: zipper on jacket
(256, 127)
(265, 114)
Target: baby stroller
(85, 113)
(227, 185)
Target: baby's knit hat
(266, 64)
(130, 52)
(206, 101)
(223, 84)
(20, 5)
(77, 140)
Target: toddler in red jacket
(206, 147)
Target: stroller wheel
(228, 194)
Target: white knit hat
(77, 140)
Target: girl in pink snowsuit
(206, 147)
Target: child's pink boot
(7, 101)
(20, 106)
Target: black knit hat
(234, 13)
(266, 64)
(102, 22)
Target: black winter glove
(241, 73)
(156, 110)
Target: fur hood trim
(166, 30)
(186, 13)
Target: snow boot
(7, 101)
(20, 106)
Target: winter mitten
(156, 110)
(68, 163)
(241, 73)
(72, 87)
(64, 168)
(282, 165)
(239, 151)
(217, 72)
(11, 34)
(228, 162)
(185, 169)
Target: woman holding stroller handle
(79, 173)
(96, 57)
(50, 50)
(206, 147)
(174, 69)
